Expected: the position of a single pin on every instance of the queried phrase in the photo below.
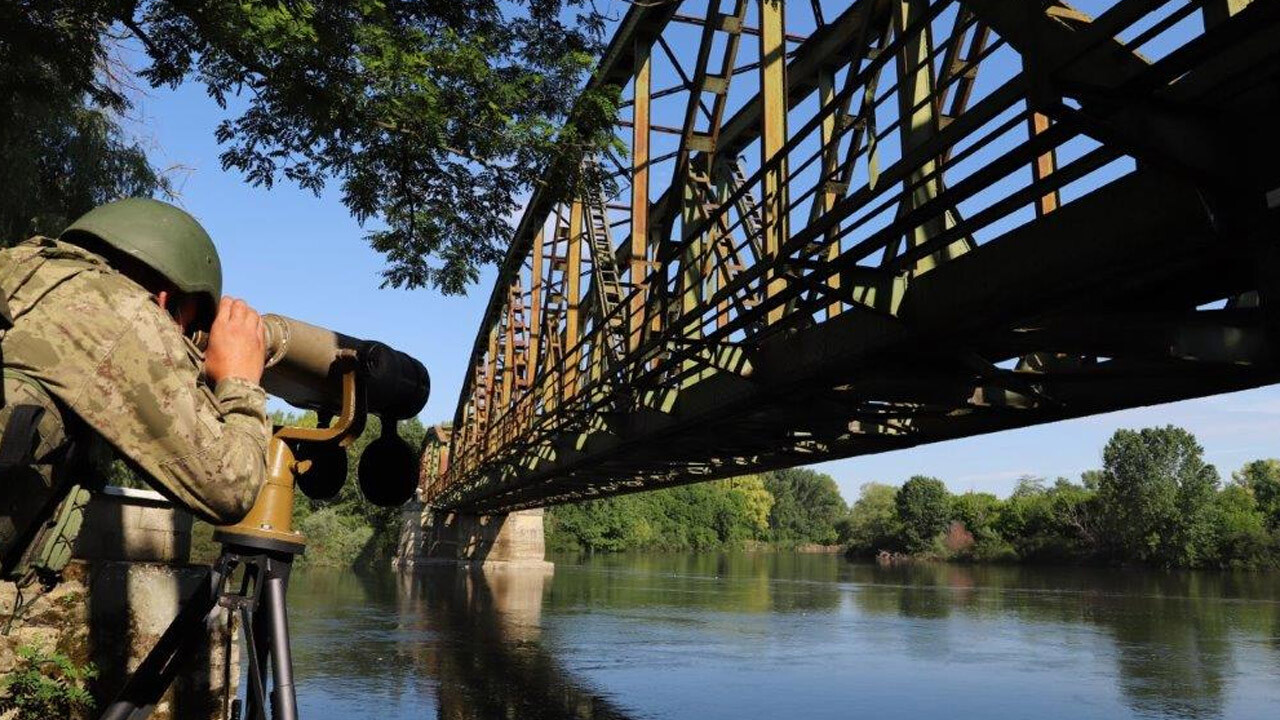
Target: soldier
(96, 351)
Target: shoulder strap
(18, 441)
(6, 323)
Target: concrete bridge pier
(434, 536)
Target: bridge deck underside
(1086, 230)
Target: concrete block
(116, 599)
(129, 524)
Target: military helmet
(161, 236)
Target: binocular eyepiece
(305, 366)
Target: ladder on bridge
(748, 208)
(604, 266)
(728, 252)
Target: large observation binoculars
(308, 367)
(343, 379)
(305, 364)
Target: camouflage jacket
(101, 346)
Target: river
(784, 635)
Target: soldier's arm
(206, 448)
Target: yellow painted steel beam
(639, 242)
(536, 301)
(918, 118)
(773, 135)
(831, 190)
(1044, 165)
(573, 298)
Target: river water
(782, 636)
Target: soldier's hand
(237, 343)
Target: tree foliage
(1241, 538)
(806, 506)
(873, 520)
(433, 116)
(704, 516)
(923, 511)
(1155, 502)
(719, 514)
(1156, 496)
(1261, 478)
(62, 150)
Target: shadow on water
(489, 661)
(466, 639)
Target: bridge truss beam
(874, 226)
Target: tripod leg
(149, 682)
(255, 650)
(284, 701)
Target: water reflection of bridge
(489, 662)
(467, 642)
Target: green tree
(757, 500)
(1091, 479)
(609, 525)
(980, 513)
(1262, 479)
(806, 506)
(61, 147)
(923, 506)
(433, 116)
(701, 516)
(1241, 538)
(1054, 523)
(873, 520)
(1026, 517)
(1076, 520)
(1156, 497)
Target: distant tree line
(786, 507)
(1154, 502)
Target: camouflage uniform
(102, 347)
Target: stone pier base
(435, 536)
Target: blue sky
(287, 251)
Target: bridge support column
(433, 536)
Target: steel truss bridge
(849, 227)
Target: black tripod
(259, 600)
